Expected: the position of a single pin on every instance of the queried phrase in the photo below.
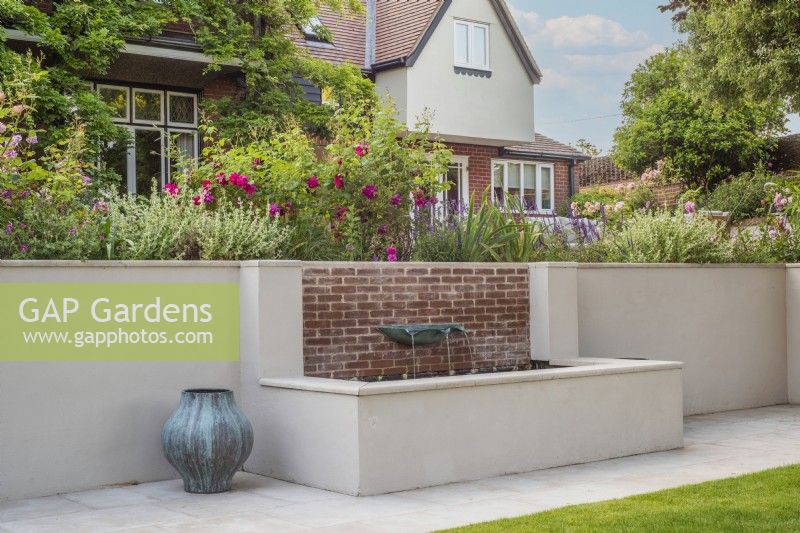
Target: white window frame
(169, 123)
(134, 120)
(170, 132)
(463, 162)
(538, 165)
(471, 64)
(131, 163)
(127, 118)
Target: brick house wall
(343, 305)
(480, 169)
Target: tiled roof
(348, 32)
(399, 25)
(400, 31)
(601, 170)
(544, 145)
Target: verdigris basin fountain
(420, 334)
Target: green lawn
(765, 501)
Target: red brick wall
(480, 169)
(344, 303)
(222, 87)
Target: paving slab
(718, 445)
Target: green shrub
(158, 226)
(360, 188)
(485, 233)
(237, 233)
(664, 237)
(611, 202)
(742, 196)
(49, 229)
(163, 226)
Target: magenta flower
(9, 228)
(391, 254)
(172, 189)
(237, 179)
(420, 200)
(382, 229)
(257, 162)
(23, 248)
(397, 199)
(369, 191)
(689, 207)
(312, 182)
(274, 210)
(196, 200)
(341, 212)
(338, 181)
(361, 149)
(222, 179)
(249, 188)
(208, 197)
(206, 185)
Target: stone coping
(661, 265)
(578, 368)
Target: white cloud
(527, 20)
(553, 78)
(589, 30)
(623, 62)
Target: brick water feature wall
(343, 303)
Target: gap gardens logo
(120, 321)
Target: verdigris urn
(207, 439)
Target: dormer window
(471, 45)
(314, 31)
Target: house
(467, 63)
(464, 61)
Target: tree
(745, 50)
(699, 143)
(587, 148)
(681, 8)
(82, 38)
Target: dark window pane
(148, 160)
(147, 106)
(181, 109)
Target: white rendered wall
(466, 108)
(73, 425)
(727, 323)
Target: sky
(587, 50)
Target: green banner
(119, 321)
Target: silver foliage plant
(162, 226)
